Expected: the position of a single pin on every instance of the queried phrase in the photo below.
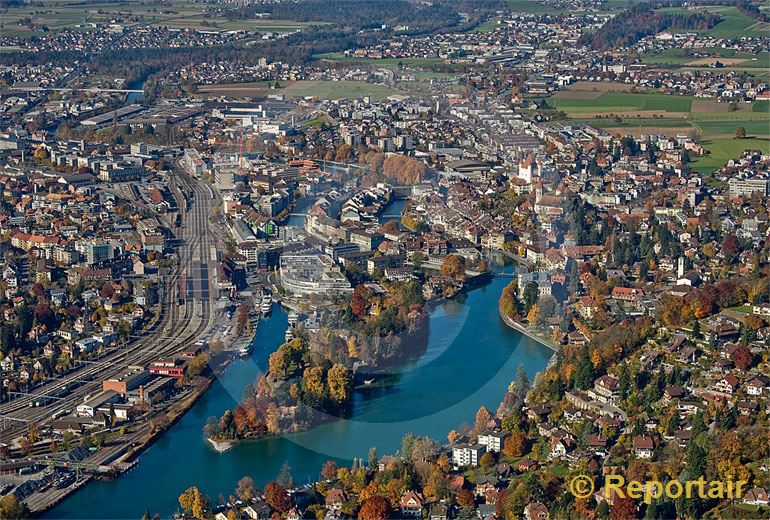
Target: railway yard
(187, 314)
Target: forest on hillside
(641, 20)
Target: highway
(176, 327)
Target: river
(470, 359)
(133, 97)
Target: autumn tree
(740, 133)
(339, 380)
(193, 502)
(11, 507)
(515, 445)
(329, 470)
(624, 509)
(376, 508)
(483, 416)
(487, 460)
(278, 362)
(466, 498)
(359, 302)
(313, 384)
(277, 497)
(742, 357)
(246, 489)
(533, 316)
(453, 267)
(390, 226)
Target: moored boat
(267, 304)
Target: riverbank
(138, 441)
(524, 330)
(220, 446)
(470, 360)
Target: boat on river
(267, 304)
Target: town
(309, 197)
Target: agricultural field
(707, 58)
(635, 122)
(722, 150)
(612, 102)
(639, 114)
(319, 89)
(488, 26)
(251, 89)
(60, 15)
(734, 24)
(758, 128)
(222, 24)
(530, 7)
(57, 16)
(609, 105)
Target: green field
(384, 62)
(58, 16)
(530, 7)
(736, 24)
(488, 26)
(221, 24)
(753, 128)
(317, 122)
(761, 106)
(634, 122)
(682, 57)
(338, 89)
(722, 150)
(744, 113)
(623, 102)
(428, 75)
(319, 89)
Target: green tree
(531, 294)
(284, 477)
(696, 459)
(372, 459)
(584, 371)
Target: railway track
(169, 334)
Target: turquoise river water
(470, 359)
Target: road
(175, 329)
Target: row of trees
(398, 168)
